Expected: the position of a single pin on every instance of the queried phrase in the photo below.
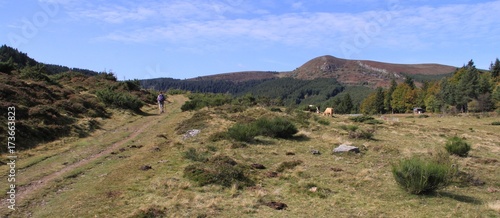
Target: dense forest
(466, 90)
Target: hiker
(161, 102)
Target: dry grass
(326, 185)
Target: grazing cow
(328, 111)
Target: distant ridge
(239, 76)
(364, 72)
(348, 72)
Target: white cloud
(189, 23)
(118, 14)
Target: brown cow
(328, 111)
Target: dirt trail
(25, 191)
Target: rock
(191, 133)
(315, 152)
(146, 167)
(277, 205)
(345, 148)
(313, 189)
(258, 166)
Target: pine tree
(495, 69)
(379, 100)
(388, 96)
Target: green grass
(359, 185)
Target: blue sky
(189, 38)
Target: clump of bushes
(119, 99)
(218, 170)
(418, 176)
(457, 146)
(277, 128)
(199, 100)
(496, 123)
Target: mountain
(348, 72)
(365, 72)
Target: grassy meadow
(133, 166)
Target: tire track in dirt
(26, 191)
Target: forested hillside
(11, 59)
(466, 90)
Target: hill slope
(134, 166)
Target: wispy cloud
(189, 22)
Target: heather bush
(457, 146)
(119, 99)
(418, 176)
(277, 128)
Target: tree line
(468, 89)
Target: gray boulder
(345, 148)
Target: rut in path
(25, 191)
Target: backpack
(161, 98)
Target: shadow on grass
(300, 138)
(457, 197)
(146, 114)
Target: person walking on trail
(161, 102)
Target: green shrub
(243, 132)
(419, 176)
(198, 101)
(219, 170)
(496, 123)
(277, 127)
(457, 146)
(288, 165)
(119, 99)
